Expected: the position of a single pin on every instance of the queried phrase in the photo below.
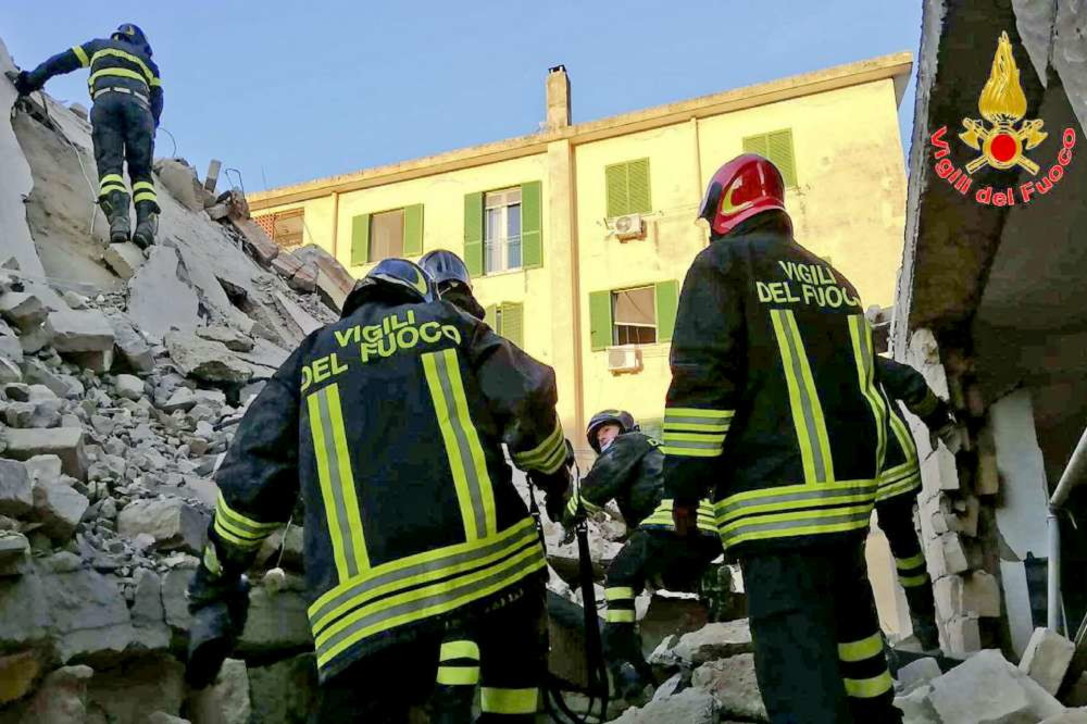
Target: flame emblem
(1003, 104)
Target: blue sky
(289, 91)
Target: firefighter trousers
(649, 556)
(503, 650)
(819, 656)
(895, 518)
(123, 129)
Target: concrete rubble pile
(120, 379)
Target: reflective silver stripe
(410, 573)
(472, 475)
(757, 528)
(692, 445)
(798, 498)
(861, 334)
(446, 596)
(119, 89)
(336, 483)
(794, 372)
(722, 424)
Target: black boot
(146, 224)
(115, 205)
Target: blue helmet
(446, 268)
(131, 33)
(622, 418)
(406, 274)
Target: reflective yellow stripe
(913, 581)
(111, 178)
(81, 54)
(792, 522)
(145, 196)
(688, 450)
(211, 560)
(143, 186)
(459, 650)
(432, 600)
(619, 593)
(866, 648)
(543, 456)
(509, 701)
(702, 413)
(869, 688)
(861, 334)
(901, 480)
(794, 497)
(416, 570)
(807, 411)
(111, 188)
(697, 426)
(119, 72)
(466, 461)
(239, 530)
(905, 564)
(620, 616)
(692, 437)
(337, 482)
(927, 406)
(458, 675)
(902, 434)
(156, 82)
(114, 52)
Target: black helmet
(130, 32)
(622, 418)
(406, 276)
(445, 268)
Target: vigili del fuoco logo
(1002, 137)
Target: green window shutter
(639, 200)
(413, 230)
(667, 294)
(473, 233)
(780, 151)
(532, 225)
(600, 333)
(615, 176)
(360, 239)
(513, 327)
(758, 144)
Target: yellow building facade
(579, 236)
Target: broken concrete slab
(88, 615)
(233, 340)
(37, 338)
(173, 523)
(182, 399)
(23, 310)
(277, 622)
(138, 689)
(206, 360)
(155, 281)
(986, 688)
(1072, 716)
(691, 706)
(16, 495)
(64, 442)
(304, 280)
(62, 697)
(124, 259)
(713, 641)
(334, 282)
(263, 249)
(85, 330)
(35, 372)
(59, 507)
(286, 265)
(1046, 658)
(129, 387)
(283, 692)
(732, 683)
(9, 371)
(133, 349)
(179, 179)
(918, 672)
(14, 554)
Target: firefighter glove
(24, 85)
(219, 606)
(952, 436)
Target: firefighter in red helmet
(774, 410)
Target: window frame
(505, 241)
(371, 257)
(651, 292)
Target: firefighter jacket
(773, 401)
(114, 64)
(901, 474)
(630, 472)
(391, 421)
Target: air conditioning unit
(624, 359)
(630, 226)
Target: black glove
(219, 607)
(24, 85)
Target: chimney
(558, 98)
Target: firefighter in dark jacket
(900, 482)
(391, 422)
(774, 406)
(628, 470)
(454, 283)
(126, 89)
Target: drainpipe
(1074, 473)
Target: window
(640, 315)
(285, 228)
(502, 230)
(634, 316)
(386, 235)
(396, 233)
(507, 320)
(778, 147)
(628, 188)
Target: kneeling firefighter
(415, 535)
(628, 469)
(127, 92)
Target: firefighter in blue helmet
(422, 562)
(126, 89)
(628, 471)
(775, 409)
(454, 283)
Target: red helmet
(745, 186)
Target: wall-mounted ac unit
(624, 359)
(630, 226)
